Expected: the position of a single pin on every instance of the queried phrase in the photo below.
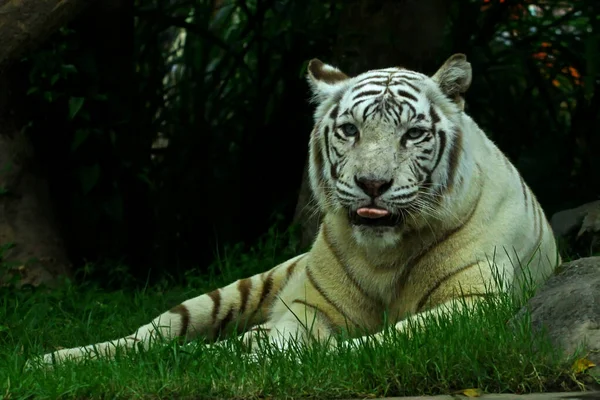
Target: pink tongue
(372, 213)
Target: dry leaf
(470, 392)
(582, 365)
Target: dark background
(161, 149)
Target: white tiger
(417, 202)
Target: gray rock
(579, 228)
(568, 307)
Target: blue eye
(415, 133)
(349, 129)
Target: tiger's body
(420, 209)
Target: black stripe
(318, 162)
(266, 288)
(396, 110)
(345, 267)
(224, 322)
(333, 171)
(419, 170)
(215, 295)
(407, 83)
(337, 153)
(185, 318)
(366, 110)
(376, 76)
(404, 93)
(403, 196)
(328, 320)
(435, 118)
(334, 112)
(442, 146)
(358, 103)
(342, 191)
(435, 287)
(410, 106)
(454, 158)
(366, 93)
(291, 268)
(414, 78)
(322, 292)
(244, 287)
(412, 264)
(326, 137)
(375, 83)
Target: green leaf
(68, 69)
(88, 177)
(75, 104)
(80, 136)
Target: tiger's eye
(349, 129)
(415, 133)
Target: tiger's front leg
(300, 325)
(240, 305)
(418, 321)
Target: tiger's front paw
(46, 361)
(58, 357)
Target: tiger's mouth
(375, 216)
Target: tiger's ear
(454, 77)
(324, 79)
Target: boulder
(579, 228)
(567, 306)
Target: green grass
(479, 350)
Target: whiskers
(428, 207)
(329, 200)
(431, 205)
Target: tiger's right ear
(454, 78)
(324, 80)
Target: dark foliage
(181, 126)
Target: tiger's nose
(373, 187)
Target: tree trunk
(379, 34)
(30, 244)
(27, 23)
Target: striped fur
(394, 142)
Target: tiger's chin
(377, 231)
(377, 237)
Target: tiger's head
(386, 144)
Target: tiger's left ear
(454, 78)
(324, 79)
